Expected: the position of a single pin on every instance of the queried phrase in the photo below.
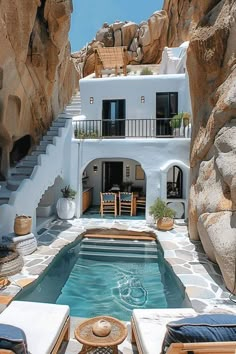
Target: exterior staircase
(35, 173)
(25, 167)
(74, 108)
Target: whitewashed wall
(151, 154)
(131, 88)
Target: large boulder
(217, 233)
(212, 72)
(37, 76)
(144, 42)
(184, 17)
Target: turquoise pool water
(105, 277)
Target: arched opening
(113, 175)
(174, 182)
(20, 149)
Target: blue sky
(89, 15)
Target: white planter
(65, 208)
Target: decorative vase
(165, 224)
(22, 225)
(65, 208)
(101, 328)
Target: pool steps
(94, 248)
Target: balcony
(131, 128)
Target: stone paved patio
(200, 277)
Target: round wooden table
(97, 344)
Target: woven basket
(10, 262)
(26, 247)
(22, 225)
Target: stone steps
(25, 167)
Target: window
(166, 107)
(113, 117)
(175, 182)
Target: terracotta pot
(22, 225)
(65, 208)
(165, 224)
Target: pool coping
(200, 277)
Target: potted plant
(162, 214)
(176, 121)
(66, 205)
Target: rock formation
(37, 76)
(184, 17)
(211, 65)
(144, 42)
(170, 27)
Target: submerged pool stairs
(108, 249)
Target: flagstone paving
(201, 278)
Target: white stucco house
(124, 134)
(118, 131)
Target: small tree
(159, 209)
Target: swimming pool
(108, 277)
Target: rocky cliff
(37, 76)
(212, 71)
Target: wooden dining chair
(141, 203)
(126, 203)
(108, 203)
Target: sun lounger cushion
(42, 323)
(150, 326)
(13, 338)
(202, 328)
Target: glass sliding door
(112, 175)
(166, 108)
(113, 118)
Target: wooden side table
(93, 343)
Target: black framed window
(166, 107)
(175, 182)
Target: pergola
(110, 58)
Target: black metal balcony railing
(130, 128)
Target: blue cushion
(202, 328)
(13, 338)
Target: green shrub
(68, 192)
(159, 209)
(176, 121)
(81, 134)
(146, 71)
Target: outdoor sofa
(45, 325)
(149, 330)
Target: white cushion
(42, 323)
(150, 326)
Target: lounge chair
(149, 329)
(45, 325)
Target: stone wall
(37, 75)
(211, 65)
